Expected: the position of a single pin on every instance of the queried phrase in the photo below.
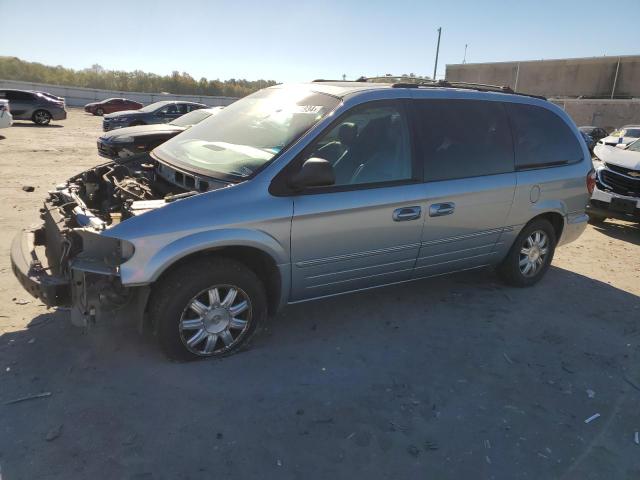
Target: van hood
(618, 157)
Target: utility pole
(464, 60)
(435, 67)
(344, 76)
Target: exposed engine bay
(110, 193)
(78, 265)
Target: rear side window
(541, 137)
(17, 96)
(463, 138)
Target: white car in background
(617, 190)
(6, 120)
(622, 137)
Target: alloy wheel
(41, 117)
(215, 320)
(533, 253)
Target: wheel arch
(556, 220)
(256, 259)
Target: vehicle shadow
(625, 231)
(2, 137)
(370, 372)
(34, 125)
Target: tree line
(13, 68)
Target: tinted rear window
(463, 138)
(541, 137)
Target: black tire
(596, 219)
(511, 270)
(99, 112)
(41, 117)
(170, 308)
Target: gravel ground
(453, 377)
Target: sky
(291, 41)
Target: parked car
(111, 105)
(130, 141)
(37, 107)
(297, 193)
(6, 120)
(596, 133)
(159, 112)
(623, 136)
(617, 191)
(588, 140)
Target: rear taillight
(591, 181)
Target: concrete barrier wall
(587, 77)
(78, 97)
(608, 114)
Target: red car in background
(111, 105)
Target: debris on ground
(28, 397)
(590, 393)
(429, 445)
(279, 462)
(413, 450)
(53, 433)
(636, 438)
(592, 418)
(28, 188)
(506, 357)
(21, 302)
(31, 341)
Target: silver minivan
(300, 192)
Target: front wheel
(41, 117)
(209, 308)
(530, 256)
(99, 112)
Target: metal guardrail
(79, 96)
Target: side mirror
(315, 172)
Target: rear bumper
(58, 114)
(574, 225)
(28, 269)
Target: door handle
(406, 213)
(441, 209)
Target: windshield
(246, 135)
(627, 132)
(153, 107)
(194, 117)
(634, 147)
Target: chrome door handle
(441, 209)
(406, 213)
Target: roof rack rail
(480, 87)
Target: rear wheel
(209, 308)
(41, 117)
(530, 255)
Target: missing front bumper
(52, 290)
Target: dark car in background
(111, 105)
(596, 133)
(159, 112)
(588, 140)
(131, 141)
(38, 107)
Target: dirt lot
(454, 377)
